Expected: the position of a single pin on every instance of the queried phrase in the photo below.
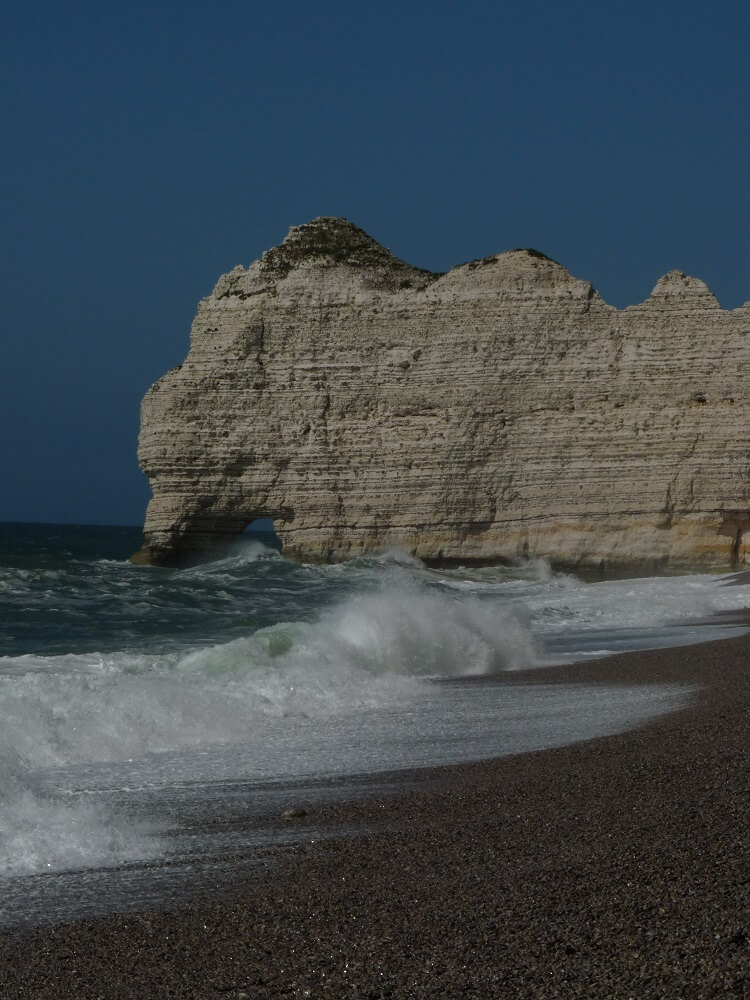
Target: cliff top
(331, 242)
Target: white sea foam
(76, 709)
(366, 652)
(43, 832)
(364, 657)
(558, 604)
(682, 606)
(240, 552)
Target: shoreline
(615, 867)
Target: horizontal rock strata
(497, 411)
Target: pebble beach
(614, 868)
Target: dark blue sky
(151, 147)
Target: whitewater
(155, 723)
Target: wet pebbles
(616, 868)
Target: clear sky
(150, 147)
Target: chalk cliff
(497, 411)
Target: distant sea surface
(144, 711)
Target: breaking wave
(368, 652)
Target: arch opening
(261, 529)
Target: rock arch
(499, 410)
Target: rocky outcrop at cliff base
(497, 411)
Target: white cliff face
(500, 410)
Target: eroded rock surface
(497, 411)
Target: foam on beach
(131, 697)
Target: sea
(156, 723)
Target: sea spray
(43, 832)
(136, 702)
(366, 652)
